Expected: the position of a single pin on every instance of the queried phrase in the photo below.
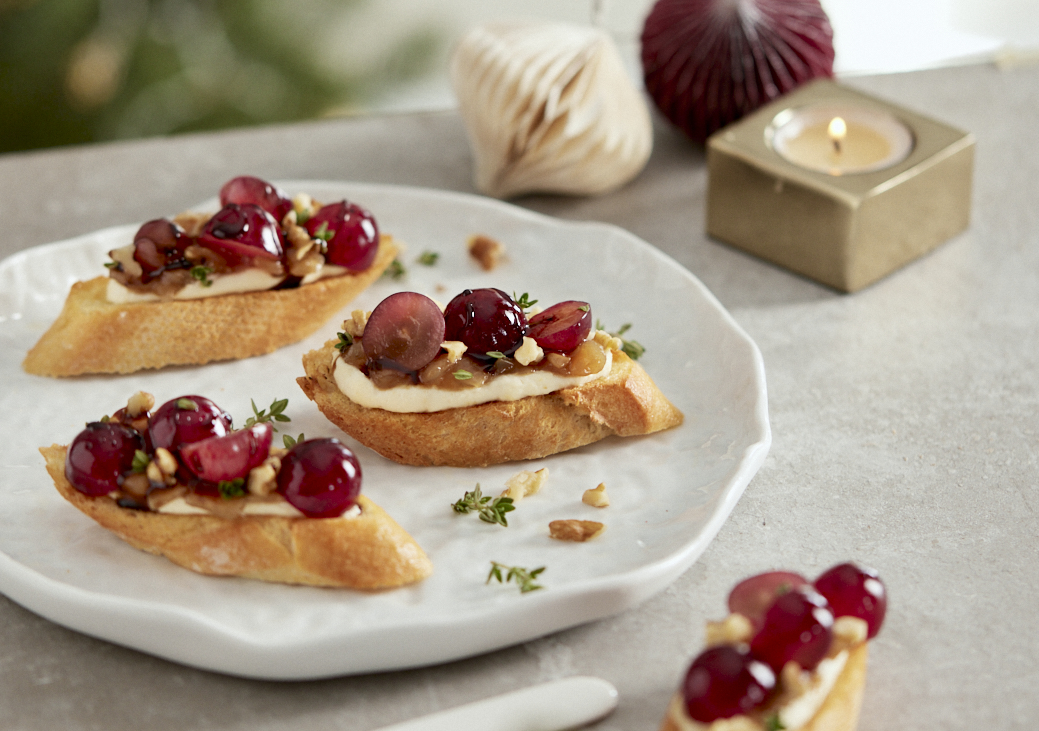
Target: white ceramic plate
(670, 492)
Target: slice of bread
(839, 712)
(369, 551)
(93, 335)
(624, 403)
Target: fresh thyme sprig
(231, 488)
(524, 301)
(524, 578)
(201, 273)
(289, 442)
(277, 413)
(632, 348)
(428, 258)
(395, 270)
(491, 510)
(345, 341)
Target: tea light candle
(840, 139)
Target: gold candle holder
(846, 203)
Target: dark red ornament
(707, 63)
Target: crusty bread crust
(369, 551)
(93, 335)
(840, 710)
(625, 403)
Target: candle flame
(838, 130)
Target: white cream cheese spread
(408, 399)
(247, 280)
(180, 506)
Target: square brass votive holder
(847, 230)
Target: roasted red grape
(855, 591)
(247, 189)
(101, 456)
(404, 332)
(798, 627)
(320, 477)
(157, 245)
(486, 320)
(752, 597)
(726, 681)
(242, 232)
(350, 232)
(184, 420)
(563, 326)
(229, 456)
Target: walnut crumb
(263, 478)
(529, 352)
(192, 222)
(524, 484)
(577, 531)
(140, 403)
(596, 497)
(609, 342)
(355, 325)
(732, 630)
(848, 632)
(487, 252)
(455, 349)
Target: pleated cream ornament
(549, 108)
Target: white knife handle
(561, 704)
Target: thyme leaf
(345, 341)
(496, 354)
(140, 461)
(323, 233)
(395, 270)
(524, 301)
(462, 375)
(231, 488)
(631, 348)
(428, 258)
(112, 264)
(276, 413)
(772, 723)
(524, 578)
(490, 510)
(201, 273)
(289, 442)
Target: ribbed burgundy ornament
(707, 63)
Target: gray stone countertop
(905, 421)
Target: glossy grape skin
(354, 239)
(562, 327)
(249, 189)
(726, 681)
(101, 456)
(242, 232)
(854, 590)
(320, 477)
(753, 596)
(797, 627)
(170, 425)
(160, 245)
(404, 332)
(486, 320)
(228, 456)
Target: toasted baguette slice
(840, 710)
(624, 403)
(369, 551)
(93, 335)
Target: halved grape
(752, 597)
(562, 327)
(486, 320)
(242, 232)
(247, 189)
(158, 244)
(320, 477)
(854, 590)
(797, 627)
(726, 681)
(185, 420)
(350, 232)
(101, 456)
(229, 456)
(404, 332)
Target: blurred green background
(74, 71)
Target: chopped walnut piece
(529, 352)
(794, 680)
(166, 461)
(354, 326)
(455, 349)
(299, 239)
(486, 251)
(192, 222)
(524, 484)
(305, 205)
(848, 632)
(140, 403)
(597, 497)
(313, 261)
(578, 531)
(263, 478)
(732, 630)
(136, 484)
(123, 256)
(607, 341)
